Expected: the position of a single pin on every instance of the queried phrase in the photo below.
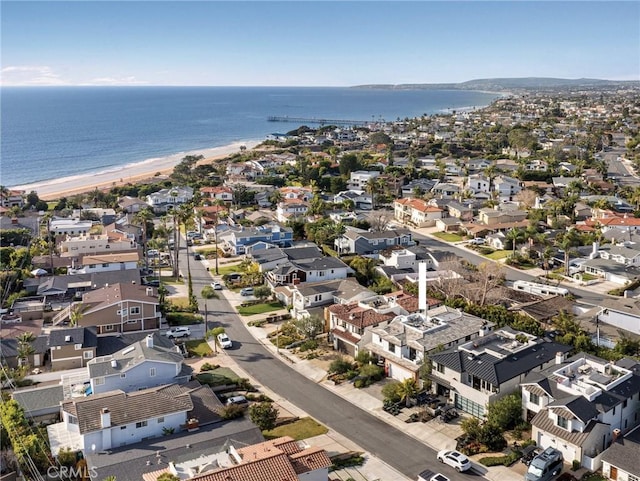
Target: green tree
(264, 415)
(213, 333)
(168, 477)
(262, 292)
(391, 392)
(514, 235)
(506, 412)
(566, 241)
(407, 390)
(310, 326)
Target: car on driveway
(224, 341)
(175, 332)
(247, 291)
(477, 241)
(216, 286)
(455, 459)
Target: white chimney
(422, 287)
(114, 363)
(150, 291)
(149, 341)
(484, 330)
(105, 418)
(594, 252)
(559, 357)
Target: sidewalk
(434, 434)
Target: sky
(307, 43)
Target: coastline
(54, 189)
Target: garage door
(568, 451)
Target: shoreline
(132, 173)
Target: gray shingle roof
(78, 335)
(579, 406)
(40, 398)
(9, 346)
(624, 453)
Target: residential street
(397, 449)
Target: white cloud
(130, 80)
(22, 75)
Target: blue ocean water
(49, 133)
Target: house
(578, 405)
(305, 298)
(12, 198)
(416, 211)
(623, 313)
(506, 187)
(497, 241)
(74, 286)
(479, 183)
(274, 460)
(362, 242)
(134, 461)
(314, 270)
(291, 208)
(543, 310)
(131, 205)
(166, 199)
(620, 460)
(91, 263)
(501, 215)
(113, 241)
(359, 179)
(72, 348)
(64, 226)
(222, 193)
(40, 403)
(113, 419)
(10, 350)
(615, 263)
(404, 342)
(237, 241)
(347, 322)
(489, 367)
(446, 190)
(361, 200)
(150, 362)
(116, 308)
(418, 186)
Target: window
(141, 424)
(624, 404)
(132, 321)
(123, 427)
(73, 419)
(77, 347)
(123, 375)
(534, 399)
(99, 381)
(160, 420)
(108, 327)
(631, 477)
(563, 422)
(87, 354)
(152, 372)
(134, 310)
(440, 368)
(122, 312)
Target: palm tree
(408, 389)
(141, 218)
(76, 313)
(514, 235)
(565, 242)
(25, 349)
(372, 188)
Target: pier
(313, 120)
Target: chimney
(559, 357)
(625, 294)
(616, 435)
(150, 291)
(594, 251)
(14, 220)
(105, 418)
(149, 341)
(484, 330)
(423, 303)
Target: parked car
(216, 286)
(247, 291)
(477, 241)
(239, 400)
(455, 459)
(178, 332)
(197, 257)
(224, 341)
(152, 282)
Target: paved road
(397, 449)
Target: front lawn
(303, 428)
(228, 269)
(448, 236)
(218, 377)
(183, 318)
(198, 347)
(259, 308)
(497, 255)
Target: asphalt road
(397, 449)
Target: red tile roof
(418, 204)
(358, 316)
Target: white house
(164, 199)
(417, 212)
(579, 405)
(359, 179)
(64, 226)
(90, 264)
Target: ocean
(54, 132)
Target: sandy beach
(126, 174)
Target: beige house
(416, 212)
(501, 216)
(116, 308)
(72, 348)
(85, 244)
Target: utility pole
(215, 234)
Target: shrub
(575, 465)
(263, 415)
(232, 411)
(471, 427)
(208, 293)
(492, 437)
(372, 371)
(209, 367)
(309, 345)
(390, 391)
(364, 357)
(340, 366)
(507, 460)
(506, 412)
